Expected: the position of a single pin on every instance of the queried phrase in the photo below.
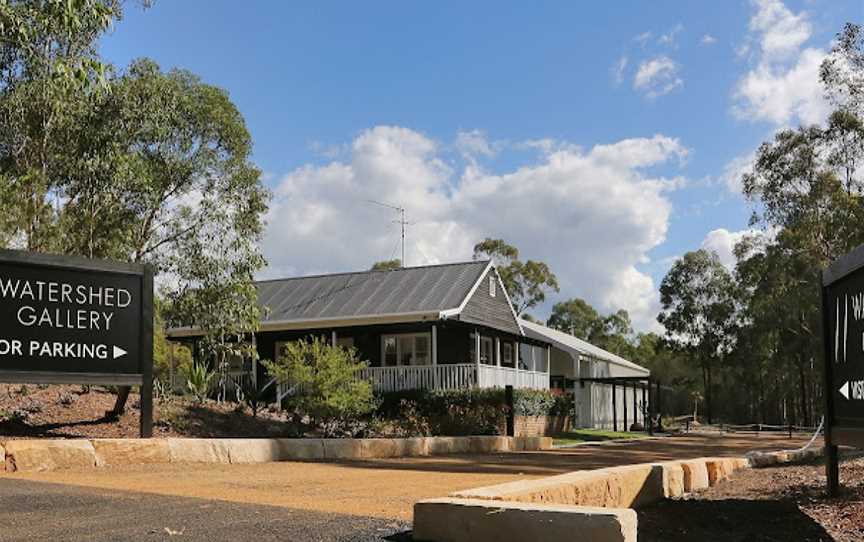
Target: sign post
(70, 320)
(843, 340)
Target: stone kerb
(40, 454)
(45, 455)
(472, 520)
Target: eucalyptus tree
(699, 313)
(139, 165)
(527, 283)
(49, 64)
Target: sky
(604, 138)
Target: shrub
(250, 395)
(199, 381)
(470, 411)
(326, 384)
(533, 402)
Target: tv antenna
(401, 221)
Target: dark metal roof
(369, 293)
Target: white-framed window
(507, 354)
(487, 350)
(406, 349)
(492, 285)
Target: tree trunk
(709, 409)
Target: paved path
(348, 494)
(36, 511)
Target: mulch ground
(775, 504)
(28, 411)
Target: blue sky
(597, 136)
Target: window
(406, 349)
(345, 342)
(390, 356)
(487, 351)
(507, 354)
(492, 285)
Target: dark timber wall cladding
(490, 311)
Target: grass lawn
(593, 435)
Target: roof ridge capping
(373, 271)
(550, 333)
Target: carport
(609, 391)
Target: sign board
(70, 320)
(843, 307)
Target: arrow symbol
(119, 352)
(844, 390)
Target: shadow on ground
(730, 520)
(582, 458)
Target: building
(610, 392)
(437, 327)
(447, 326)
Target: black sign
(71, 320)
(843, 314)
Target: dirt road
(387, 489)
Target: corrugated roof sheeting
(566, 341)
(369, 293)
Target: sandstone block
(248, 450)
(489, 444)
(464, 520)
(113, 452)
(719, 469)
(640, 484)
(372, 448)
(190, 450)
(45, 455)
(673, 479)
(338, 448)
(300, 448)
(532, 444)
(448, 445)
(414, 447)
(695, 475)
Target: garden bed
(79, 412)
(772, 504)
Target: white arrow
(119, 352)
(844, 390)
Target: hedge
(473, 411)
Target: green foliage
(471, 411)
(251, 394)
(199, 381)
(386, 265)
(699, 312)
(527, 283)
(755, 335)
(326, 383)
(533, 402)
(578, 318)
(139, 165)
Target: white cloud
(593, 214)
(618, 70)
(708, 39)
(723, 241)
(783, 84)
(735, 170)
(657, 76)
(643, 38)
(669, 38)
(780, 32)
(473, 143)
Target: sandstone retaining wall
(42, 455)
